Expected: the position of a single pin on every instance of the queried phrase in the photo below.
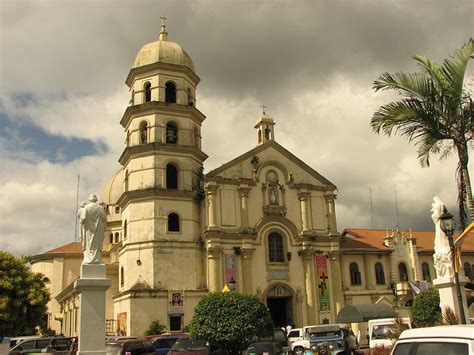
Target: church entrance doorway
(280, 304)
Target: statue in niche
(442, 256)
(93, 220)
(273, 191)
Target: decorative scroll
(322, 282)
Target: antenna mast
(396, 206)
(77, 206)
(371, 208)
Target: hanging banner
(230, 271)
(176, 302)
(322, 282)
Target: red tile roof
(373, 239)
(71, 248)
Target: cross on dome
(163, 34)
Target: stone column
(211, 189)
(244, 211)
(415, 261)
(91, 287)
(369, 273)
(332, 226)
(247, 280)
(336, 282)
(310, 291)
(303, 196)
(215, 266)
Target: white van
(381, 331)
(446, 340)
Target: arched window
(467, 270)
(275, 248)
(125, 229)
(379, 274)
(425, 270)
(171, 133)
(355, 274)
(173, 222)
(147, 90)
(267, 133)
(170, 92)
(171, 177)
(403, 272)
(117, 209)
(111, 238)
(116, 237)
(143, 133)
(122, 277)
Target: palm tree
(436, 113)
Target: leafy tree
(425, 310)
(23, 297)
(155, 328)
(228, 319)
(436, 112)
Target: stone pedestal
(448, 295)
(91, 287)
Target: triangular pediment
(245, 166)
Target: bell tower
(162, 165)
(264, 126)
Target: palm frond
(454, 69)
(414, 84)
(433, 70)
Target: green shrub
(425, 310)
(229, 319)
(155, 328)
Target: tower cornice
(155, 147)
(164, 108)
(145, 69)
(156, 193)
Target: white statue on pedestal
(93, 220)
(442, 255)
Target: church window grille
(403, 272)
(355, 274)
(173, 222)
(425, 270)
(111, 238)
(275, 248)
(147, 89)
(468, 270)
(379, 274)
(122, 277)
(259, 137)
(170, 92)
(143, 133)
(175, 323)
(171, 177)
(267, 133)
(171, 133)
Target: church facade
(263, 223)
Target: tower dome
(163, 51)
(114, 188)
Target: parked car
(187, 346)
(263, 347)
(295, 335)
(322, 339)
(278, 338)
(164, 342)
(129, 347)
(50, 345)
(17, 340)
(446, 340)
(381, 331)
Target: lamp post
(447, 226)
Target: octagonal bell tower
(162, 168)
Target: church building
(263, 223)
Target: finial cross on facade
(263, 108)
(163, 19)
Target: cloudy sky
(312, 63)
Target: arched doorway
(280, 304)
